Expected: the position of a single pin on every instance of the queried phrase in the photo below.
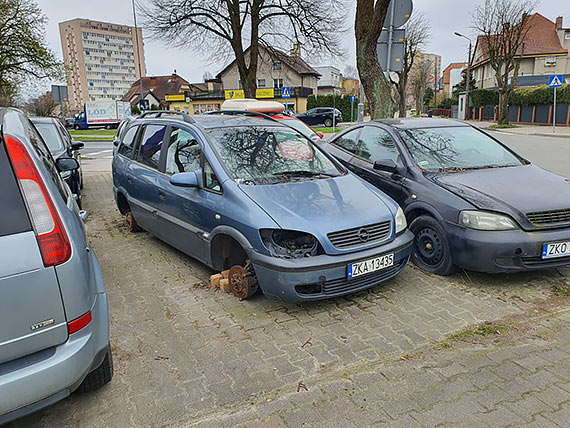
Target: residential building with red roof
(545, 53)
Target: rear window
(51, 136)
(13, 215)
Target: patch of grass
(561, 290)
(93, 139)
(93, 132)
(502, 126)
(481, 330)
(327, 130)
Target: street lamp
(138, 54)
(468, 78)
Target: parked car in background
(68, 122)
(121, 129)
(62, 145)
(228, 189)
(54, 326)
(320, 116)
(471, 201)
(273, 109)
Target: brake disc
(242, 283)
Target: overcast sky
(446, 16)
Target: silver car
(54, 325)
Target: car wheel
(328, 123)
(76, 127)
(131, 223)
(431, 249)
(100, 376)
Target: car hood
(512, 190)
(322, 206)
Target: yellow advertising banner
(177, 97)
(264, 93)
(234, 94)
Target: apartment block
(101, 59)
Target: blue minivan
(245, 190)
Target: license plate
(556, 249)
(369, 266)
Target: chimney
(153, 82)
(296, 51)
(559, 21)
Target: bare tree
(221, 28)
(207, 76)
(417, 35)
(419, 81)
(368, 23)
(503, 27)
(42, 106)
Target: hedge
(540, 95)
(484, 97)
(341, 102)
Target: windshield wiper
(302, 173)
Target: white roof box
(249, 104)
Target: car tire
(328, 123)
(431, 251)
(131, 223)
(100, 376)
(76, 127)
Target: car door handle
(161, 195)
(129, 179)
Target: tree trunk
(367, 27)
(402, 98)
(503, 116)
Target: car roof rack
(159, 113)
(243, 113)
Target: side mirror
(67, 164)
(76, 145)
(184, 179)
(320, 134)
(116, 142)
(387, 165)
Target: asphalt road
(97, 149)
(551, 153)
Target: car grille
(360, 235)
(549, 217)
(344, 285)
(539, 262)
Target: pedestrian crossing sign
(555, 81)
(285, 92)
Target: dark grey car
(54, 326)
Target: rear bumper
(39, 380)
(325, 276)
(504, 251)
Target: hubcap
(428, 246)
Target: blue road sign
(555, 81)
(352, 98)
(285, 92)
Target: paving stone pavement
(188, 356)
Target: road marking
(99, 153)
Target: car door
(181, 208)
(68, 140)
(143, 176)
(310, 117)
(374, 144)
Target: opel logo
(363, 234)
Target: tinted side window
(49, 164)
(151, 143)
(376, 144)
(13, 216)
(183, 153)
(348, 141)
(126, 147)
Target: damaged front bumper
(326, 276)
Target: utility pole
(138, 53)
(468, 78)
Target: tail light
(78, 323)
(52, 239)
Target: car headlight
(401, 222)
(289, 243)
(482, 220)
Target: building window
(550, 61)
(278, 83)
(277, 65)
(261, 83)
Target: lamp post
(138, 53)
(468, 78)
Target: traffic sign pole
(554, 114)
(555, 81)
(390, 39)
